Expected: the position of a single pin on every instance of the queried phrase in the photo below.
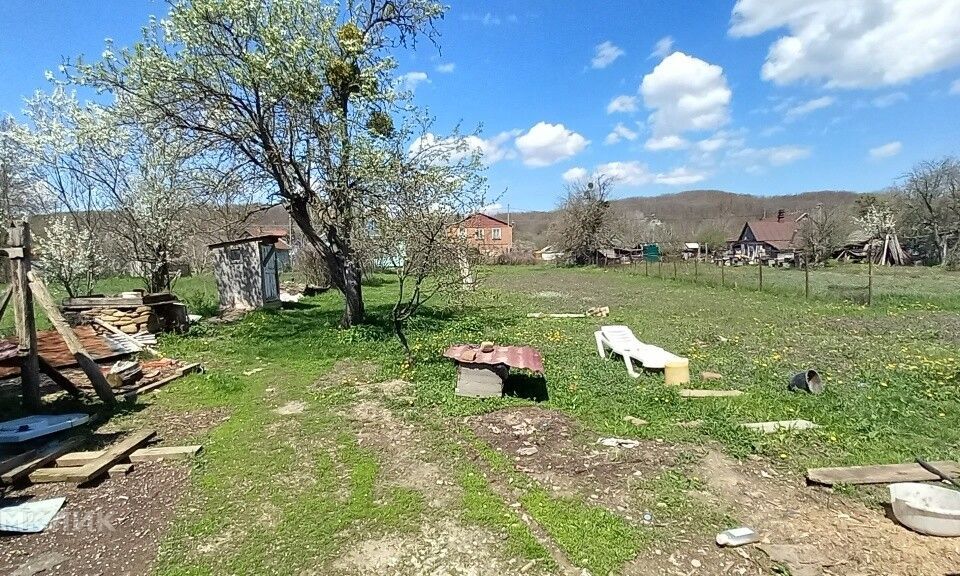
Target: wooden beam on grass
(690, 393)
(98, 466)
(880, 474)
(25, 325)
(86, 362)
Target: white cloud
(809, 106)
(662, 48)
(889, 99)
(547, 144)
(492, 208)
(633, 173)
(411, 80)
(488, 19)
(685, 94)
(575, 174)
(626, 173)
(622, 103)
(887, 150)
(604, 54)
(492, 149)
(620, 132)
(854, 43)
(447, 68)
(680, 177)
(774, 156)
(955, 87)
(670, 142)
(720, 140)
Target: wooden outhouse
(247, 273)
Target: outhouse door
(268, 259)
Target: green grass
(275, 494)
(907, 286)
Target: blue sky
(667, 96)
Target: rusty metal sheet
(520, 357)
(54, 350)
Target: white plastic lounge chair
(621, 341)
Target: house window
(478, 233)
(463, 232)
(497, 234)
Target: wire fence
(865, 284)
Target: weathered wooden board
(188, 369)
(100, 465)
(778, 425)
(152, 454)
(689, 393)
(119, 470)
(10, 462)
(44, 455)
(880, 474)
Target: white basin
(926, 508)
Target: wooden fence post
(660, 266)
(674, 269)
(24, 322)
(722, 266)
(806, 275)
(646, 267)
(870, 275)
(760, 264)
(696, 270)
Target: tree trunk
(341, 263)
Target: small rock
(696, 563)
(710, 376)
(527, 450)
(635, 421)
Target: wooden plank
(165, 453)
(58, 378)
(87, 364)
(7, 294)
(110, 457)
(45, 455)
(153, 454)
(778, 425)
(78, 458)
(880, 474)
(688, 393)
(119, 470)
(25, 325)
(12, 462)
(188, 369)
(100, 302)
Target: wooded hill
(690, 212)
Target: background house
(762, 239)
(490, 236)
(282, 246)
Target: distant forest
(689, 214)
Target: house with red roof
(766, 239)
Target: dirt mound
(566, 459)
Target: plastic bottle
(737, 537)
